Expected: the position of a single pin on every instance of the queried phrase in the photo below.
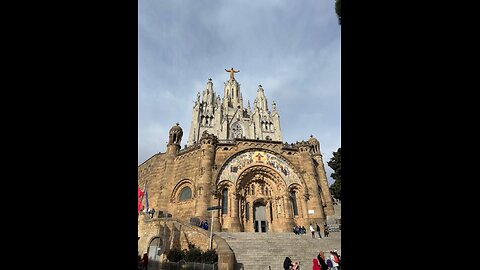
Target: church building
(235, 159)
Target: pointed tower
(205, 114)
(266, 124)
(227, 119)
(232, 95)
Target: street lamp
(212, 209)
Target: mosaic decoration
(233, 169)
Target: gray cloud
(292, 48)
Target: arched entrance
(154, 250)
(259, 217)
(262, 196)
(260, 192)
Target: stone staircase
(263, 250)
(267, 251)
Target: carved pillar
(286, 207)
(235, 220)
(217, 226)
(250, 224)
(303, 201)
(267, 216)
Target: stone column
(304, 206)
(286, 207)
(252, 217)
(329, 210)
(267, 215)
(235, 220)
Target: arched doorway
(259, 217)
(262, 197)
(154, 250)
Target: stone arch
(261, 173)
(221, 187)
(155, 244)
(225, 166)
(175, 196)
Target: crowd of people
(301, 230)
(321, 262)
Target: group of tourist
(332, 262)
(299, 230)
(302, 230)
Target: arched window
(225, 201)
(185, 194)
(294, 203)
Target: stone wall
(180, 236)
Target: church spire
(208, 94)
(261, 100)
(232, 95)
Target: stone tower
(227, 118)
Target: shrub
(193, 255)
(210, 256)
(175, 255)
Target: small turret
(174, 139)
(314, 145)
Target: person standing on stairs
(287, 263)
(321, 260)
(312, 231)
(318, 231)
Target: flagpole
(144, 189)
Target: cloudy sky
(291, 48)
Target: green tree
(336, 164)
(338, 10)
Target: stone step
(261, 250)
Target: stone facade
(236, 159)
(228, 119)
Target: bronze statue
(232, 71)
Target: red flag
(140, 197)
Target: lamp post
(212, 209)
